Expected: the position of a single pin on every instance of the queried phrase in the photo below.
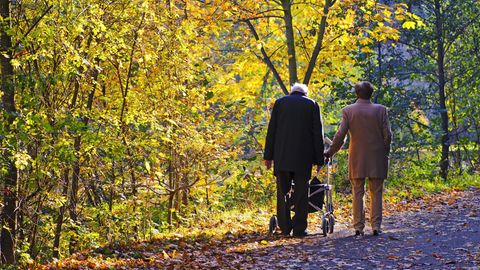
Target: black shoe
(358, 233)
(286, 232)
(300, 234)
(376, 232)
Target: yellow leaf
(15, 63)
(367, 50)
(409, 25)
(147, 166)
(378, 17)
(259, 45)
(365, 41)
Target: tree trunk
(133, 178)
(9, 220)
(112, 184)
(34, 233)
(74, 194)
(292, 59)
(477, 142)
(458, 152)
(185, 191)
(441, 89)
(77, 143)
(61, 212)
(171, 197)
(319, 42)
(171, 186)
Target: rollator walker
(319, 194)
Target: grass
(409, 188)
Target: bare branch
(32, 26)
(266, 59)
(318, 45)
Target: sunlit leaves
(409, 25)
(22, 160)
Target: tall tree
(436, 60)
(9, 217)
(440, 40)
(300, 40)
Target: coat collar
(296, 93)
(364, 101)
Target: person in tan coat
(370, 138)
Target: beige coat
(370, 138)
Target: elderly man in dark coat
(294, 144)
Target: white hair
(299, 87)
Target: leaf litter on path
(440, 231)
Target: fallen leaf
(393, 238)
(393, 257)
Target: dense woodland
(125, 119)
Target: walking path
(441, 232)
(438, 232)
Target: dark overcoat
(295, 136)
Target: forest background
(124, 120)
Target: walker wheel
(331, 221)
(272, 226)
(325, 226)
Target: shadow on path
(442, 234)
(439, 232)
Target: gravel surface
(440, 233)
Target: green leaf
(209, 95)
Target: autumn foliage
(126, 120)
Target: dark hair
(364, 90)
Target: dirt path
(440, 233)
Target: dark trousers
(300, 199)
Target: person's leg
(375, 187)
(284, 181)
(301, 204)
(358, 191)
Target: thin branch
(129, 72)
(276, 50)
(318, 45)
(32, 27)
(304, 43)
(418, 49)
(253, 18)
(266, 59)
(459, 32)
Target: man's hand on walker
(268, 163)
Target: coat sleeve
(318, 136)
(271, 132)
(386, 130)
(339, 138)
